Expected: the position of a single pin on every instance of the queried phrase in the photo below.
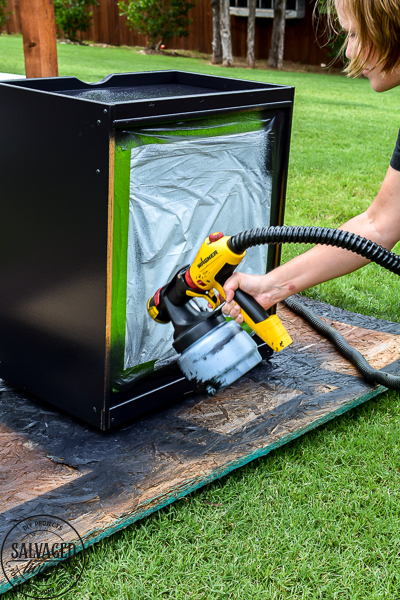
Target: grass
(318, 518)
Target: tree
(275, 58)
(159, 20)
(4, 14)
(251, 33)
(216, 29)
(73, 16)
(226, 39)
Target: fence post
(39, 36)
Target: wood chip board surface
(101, 482)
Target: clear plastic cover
(182, 188)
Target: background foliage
(159, 20)
(326, 16)
(73, 16)
(4, 14)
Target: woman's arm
(379, 223)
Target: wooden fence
(109, 28)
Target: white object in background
(6, 76)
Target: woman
(373, 50)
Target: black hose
(331, 237)
(316, 235)
(354, 356)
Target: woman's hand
(255, 285)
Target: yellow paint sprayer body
(214, 263)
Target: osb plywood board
(101, 482)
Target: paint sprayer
(215, 352)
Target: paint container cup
(220, 357)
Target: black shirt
(395, 162)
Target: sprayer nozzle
(154, 308)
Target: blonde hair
(378, 32)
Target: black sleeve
(395, 162)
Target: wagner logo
(43, 544)
(205, 260)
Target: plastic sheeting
(181, 190)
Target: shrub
(159, 20)
(73, 16)
(4, 14)
(331, 28)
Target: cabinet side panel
(53, 246)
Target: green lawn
(318, 518)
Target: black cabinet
(105, 189)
